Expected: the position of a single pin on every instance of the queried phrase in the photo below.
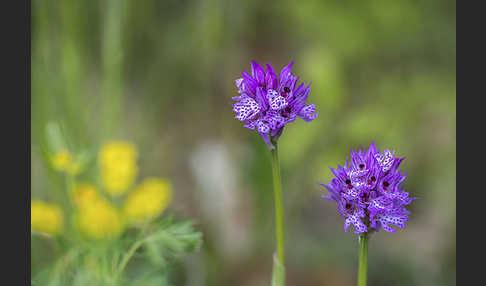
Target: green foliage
(165, 241)
(155, 247)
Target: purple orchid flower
(267, 103)
(369, 192)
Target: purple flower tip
(368, 191)
(267, 103)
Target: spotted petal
(308, 112)
(385, 159)
(246, 108)
(276, 101)
(386, 220)
(359, 226)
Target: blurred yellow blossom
(61, 160)
(118, 166)
(148, 200)
(98, 219)
(46, 217)
(84, 194)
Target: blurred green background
(161, 75)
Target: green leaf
(168, 240)
(278, 273)
(177, 238)
(155, 253)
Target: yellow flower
(46, 218)
(118, 166)
(61, 160)
(148, 200)
(98, 219)
(84, 194)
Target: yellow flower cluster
(148, 200)
(46, 218)
(118, 166)
(95, 217)
(63, 161)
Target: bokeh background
(161, 74)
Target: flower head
(84, 193)
(267, 103)
(118, 166)
(63, 161)
(368, 191)
(98, 219)
(46, 217)
(148, 200)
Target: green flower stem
(363, 259)
(128, 255)
(277, 191)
